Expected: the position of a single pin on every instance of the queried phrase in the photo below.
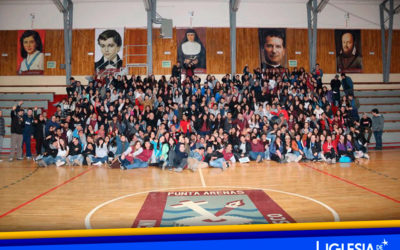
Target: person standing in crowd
(2, 132)
(28, 133)
(71, 88)
(17, 129)
(365, 125)
(377, 127)
(38, 132)
(347, 84)
(335, 87)
(177, 71)
(317, 74)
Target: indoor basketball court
(98, 197)
(304, 83)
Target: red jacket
(284, 112)
(326, 126)
(242, 124)
(328, 146)
(145, 155)
(227, 156)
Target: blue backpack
(344, 159)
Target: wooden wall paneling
(54, 45)
(218, 39)
(371, 42)
(247, 49)
(83, 41)
(8, 41)
(297, 41)
(136, 36)
(326, 44)
(395, 58)
(160, 46)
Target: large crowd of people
(267, 115)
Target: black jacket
(17, 122)
(75, 149)
(2, 126)
(38, 129)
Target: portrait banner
(30, 52)
(272, 47)
(192, 50)
(109, 50)
(348, 51)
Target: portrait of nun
(191, 51)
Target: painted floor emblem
(207, 208)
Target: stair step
(388, 92)
(379, 100)
(380, 107)
(26, 96)
(10, 104)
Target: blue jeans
(266, 154)
(272, 137)
(49, 160)
(254, 155)
(72, 158)
(196, 156)
(124, 162)
(378, 139)
(59, 158)
(137, 163)
(99, 159)
(310, 155)
(217, 163)
(27, 141)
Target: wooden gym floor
(53, 198)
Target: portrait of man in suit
(110, 43)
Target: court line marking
(352, 183)
(88, 225)
(43, 194)
(378, 173)
(20, 179)
(203, 183)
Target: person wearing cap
(378, 122)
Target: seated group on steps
(270, 115)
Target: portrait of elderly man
(348, 46)
(273, 48)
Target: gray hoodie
(377, 122)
